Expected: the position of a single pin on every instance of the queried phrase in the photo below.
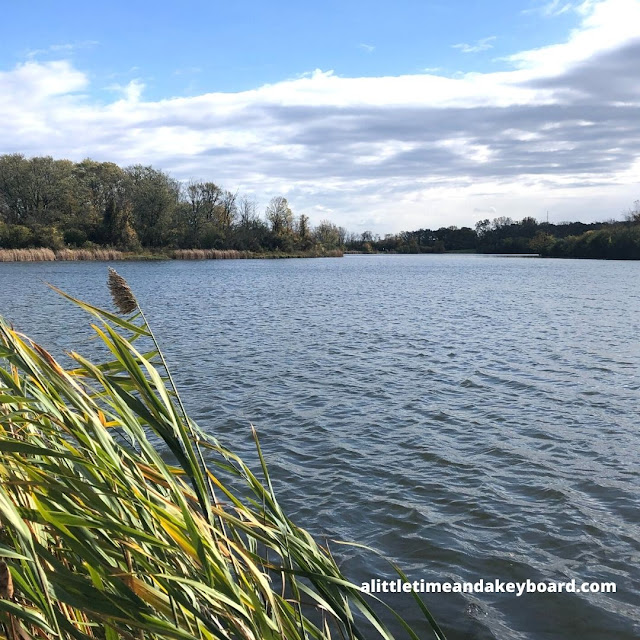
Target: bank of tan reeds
(27, 255)
(47, 255)
(90, 254)
(38, 255)
(209, 254)
(232, 254)
(102, 538)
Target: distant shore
(97, 254)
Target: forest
(60, 205)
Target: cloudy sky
(374, 115)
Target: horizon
(379, 119)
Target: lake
(470, 417)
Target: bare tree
(247, 212)
(203, 199)
(633, 215)
(227, 210)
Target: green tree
(203, 199)
(154, 196)
(542, 243)
(101, 190)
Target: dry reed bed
(233, 254)
(27, 255)
(209, 254)
(47, 255)
(90, 254)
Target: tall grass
(101, 537)
(90, 254)
(39, 255)
(233, 254)
(209, 254)
(27, 255)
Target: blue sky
(184, 49)
(371, 114)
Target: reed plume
(121, 293)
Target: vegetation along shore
(63, 210)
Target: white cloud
(131, 92)
(480, 45)
(553, 8)
(557, 8)
(556, 129)
(367, 48)
(605, 25)
(61, 49)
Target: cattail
(121, 293)
(6, 582)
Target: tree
(35, 191)
(118, 225)
(250, 232)
(542, 243)
(328, 235)
(303, 231)
(13, 176)
(247, 214)
(227, 211)
(100, 189)
(279, 215)
(366, 236)
(203, 199)
(155, 196)
(483, 227)
(528, 227)
(633, 215)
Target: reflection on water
(468, 416)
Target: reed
(27, 255)
(101, 537)
(210, 254)
(48, 255)
(38, 255)
(90, 254)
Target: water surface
(468, 416)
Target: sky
(373, 115)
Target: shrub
(15, 236)
(75, 237)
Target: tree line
(59, 203)
(613, 239)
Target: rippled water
(468, 416)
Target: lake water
(470, 417)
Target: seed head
(121, 293)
